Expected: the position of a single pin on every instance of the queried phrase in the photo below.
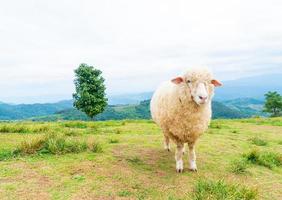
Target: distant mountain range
(248, 106)
(244, 88)
(236, 99)
(138, 111)
(251, 87)
(237, 108)
(25, 111)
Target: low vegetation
(259, 142)
(126, 160)
(266, 159)
(263, 121)
(137, 111)
(220, 190)
(51, 143)
(96, 147)
(239, 166)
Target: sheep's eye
(188, 81)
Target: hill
(112, 112)
(248, 106)
(24, 111)
(237, 159)
(139, 111)
(221, 111)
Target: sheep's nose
(203, 98)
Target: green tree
(90, 96)
(273, 104)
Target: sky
(137, 44)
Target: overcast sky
(136, 43)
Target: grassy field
(237, 159)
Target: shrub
(219, 190)
(266, 159)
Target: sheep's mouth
(201, 103)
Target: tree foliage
(273, 104)
(90, 90)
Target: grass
(220, 190)
(266, 159)
(259, 142)
(6, 154)
(113, 141)
(239, 166)
(75, 124)
(124, 193)
(51, 144)
(20, 127)
(275, 121)
(126, 160)
(96, 147)
(135, 160)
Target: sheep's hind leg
(178, 158)
(192, 157)
(183, 150)
(166, 143)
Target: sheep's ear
(177, 80)
(216, 83)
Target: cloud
(136, 44)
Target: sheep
(182, 109)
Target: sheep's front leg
(192, 157)
(178, 158)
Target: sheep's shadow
(146, 159)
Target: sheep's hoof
(193, 166)
(193, 169)
(167, 149)
(179, 166)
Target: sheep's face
(200, 86)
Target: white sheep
(182, 109)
